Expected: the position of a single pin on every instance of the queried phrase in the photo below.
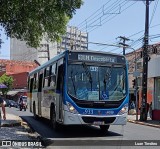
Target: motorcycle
(23, 105)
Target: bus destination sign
(97, 58)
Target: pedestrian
(132, 105)
(147, 107)
(20, 99)
(3, 109)
(150, 110)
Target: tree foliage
(30, 20)
(8, 81)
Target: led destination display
(96, 57)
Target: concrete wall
(154, 67)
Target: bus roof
(62, 55)
(47, 63)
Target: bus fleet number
(88, 111)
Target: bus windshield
(96, 83)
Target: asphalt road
(92, 135)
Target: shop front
(156, 103)
(154, 72)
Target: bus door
(59, 100)
(40, 93)
(30, 93)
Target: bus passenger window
(31, 85)
(60, 78)
(46, 79)
(35, 81)
(46, 82)
(53, 75)
(53, 81)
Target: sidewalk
(13, 128)
(149, 122)
(15, 133)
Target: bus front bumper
(78, 119)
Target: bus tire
(104, 128)
(54, 124)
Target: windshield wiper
(106, 77)
(117, 87)
(88, 73)
(73, 82)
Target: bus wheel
(54, 124)
(104, 128)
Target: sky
(106, 20)
(118, 18)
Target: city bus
(81, 88)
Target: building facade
(74, 39)
(20, 51)
(18, 70)
(153, 86)
(154, 73)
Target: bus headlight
(123, 110)
(71, 108)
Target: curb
(143, 123)
(33, 134)
(30, 129)
(12, 124)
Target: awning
(12, 93)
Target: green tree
(8, 81)
(30, 20)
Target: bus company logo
(6, 143)
(110, 112)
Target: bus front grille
(106, 120)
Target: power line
(113, 16)
(108, 16)
(154, 10)
(99, 16)
(108, 13)
(92, 14)
(96, 16)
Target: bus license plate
(98, 123)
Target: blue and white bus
(81, 88)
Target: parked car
(13, 104)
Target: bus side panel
(48, 98)
(35, 101)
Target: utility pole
(123, 43)
(143, 112)
(136, 86)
